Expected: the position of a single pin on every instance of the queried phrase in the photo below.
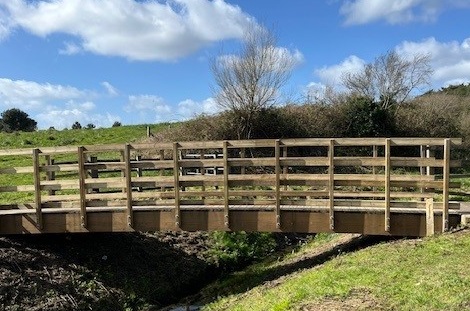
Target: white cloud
(358, 12)
(112, 91)
(31, 94)
(331, 75)
(70, 48)
(54, 104)
(137, 30)
(64, 117)
(450, 60)
(152, 108)
(149, 108)
(189, 108)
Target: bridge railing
(377, 175)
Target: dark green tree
(17, 120)
(367, 118)
(76, 126)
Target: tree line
(13, 120)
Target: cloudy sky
(101, 61)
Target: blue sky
(101, 61)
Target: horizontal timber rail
(386, 186)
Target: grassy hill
(423, 274)
(47, 138)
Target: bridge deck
(393, 186)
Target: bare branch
(249, 81)
(390, 79)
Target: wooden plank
(244, 144)
(200, 145)
(429, 217)
(277, 155)
(113, 220)
(331, 183)
(176, 177)
(128, 189)
(226, 184)
(82, 185)
(203, 163)
(380, 194)
(60, 198)
(37, 188)
(417, 141)
(21, 188)
(17, 170)
(358, 161)
(15, 152)
(445, 186)
(387, 184)
(151, 146)
(52, 168)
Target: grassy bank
(49, 138)
(428, 274)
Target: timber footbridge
(379, 186)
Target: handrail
(273, 173)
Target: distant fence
(371, 175)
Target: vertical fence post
(82, 177)
(226, 185)
(139, 171)
(93, 173)
(375, 154)
(50, 175)
(331, 183)
(285, 169)
(422, 169)
(37, 188)
(277, 168)
(176, 176)
(128, 174)
(429, 217)
(162, 170)
(445, 186)
(387, 184)
(202, 156)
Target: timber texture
(380, 186)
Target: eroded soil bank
(109, 271)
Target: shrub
(367, 118)
(231, 250)
(17, 120)
(76, 126)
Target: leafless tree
(250, 80)
(390, 79)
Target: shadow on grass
(258, 274)
(100, 271)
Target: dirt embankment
(109, 271)
(100, 271)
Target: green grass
(48, 138)
(52, 138)
(431, 274)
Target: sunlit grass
(411, 275)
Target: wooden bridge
(384, 186)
